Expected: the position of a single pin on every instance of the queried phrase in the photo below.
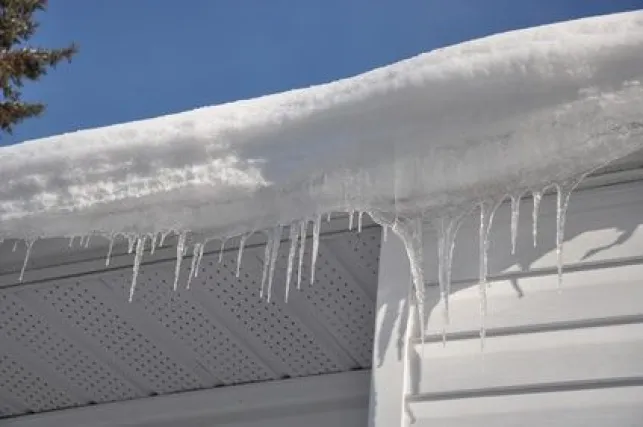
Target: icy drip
(163, 237)
(29, 244)
(328, 216)
(110, 249)
(294, 239)
(360, 216)
(180, 247)
(315, 250)
(563, 193)
(266, 263)
(131, 241)
(153, 239)
(242, 244)
(515, 216)
(15, 246)
(87, 240)
(384, 233)
(71, 242)
(221, 250)
(138, 256)
(199, 258)
(303, 225)
(196, 249)
(447, 228)
(410, 231)
(537, 197)
(274, 254)
(487, 212)
(351, 215)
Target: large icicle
(360, 220)
(196, 249)
(140, 248)
(274, 254)
(351, 216)
(303, 225)
(153, 239)
(294, 239)
(487, 212)
(266, 263)
(180, 246)
(29, 244)
(315, 249)
(515, 216)
(199, 258)
(563, 193)
(222, 249)
(447, 230)
(242, 244)
(410, 231)
(110, 249)
(537, 197)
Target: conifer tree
(19, 61)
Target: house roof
(509, 112)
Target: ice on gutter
(422, 141)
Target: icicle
(153, 243)
(384, 233)
(193, 266)
(242, 244)
(163, 237)
(447, 229)
(71, 242)
(303, 225)
(180, 247)
(199, 259)
(29, 244)
(328, 216)
(537, 197)
(564, 192)
(315, 250)
(351, 214)
(360, 216)
(15, 246)
(266, 264)
(410, 231)
(131, 241)
(140, 248)
(89, 238)
(294, 238)
(487, 211)
(515, 216)
(110, 250)
(221, 250)
(274, 254)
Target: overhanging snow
(455, 126)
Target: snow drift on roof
(507, 112)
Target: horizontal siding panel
(614, 407)
(588, 295)
(595, 353)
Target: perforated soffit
(70, 338)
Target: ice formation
(420, 141)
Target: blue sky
(144, 58)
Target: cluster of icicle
(408, 227)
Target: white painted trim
(393, 326)
(274, 398)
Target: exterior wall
(568, 357)
(338, 400)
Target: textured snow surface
(455, 126)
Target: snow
(422, 140)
